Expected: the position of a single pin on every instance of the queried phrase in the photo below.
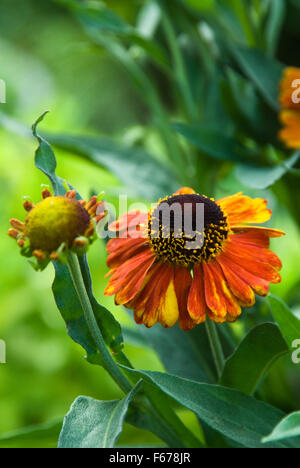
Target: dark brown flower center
(187, 229)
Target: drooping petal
(182, 282)
(157, 302)
(231, 304)
(127, 279)
(120, 250)
(213, 294)
(240, 208)
(254, 235)
(196, 298)
(263, 264)
(260, 254)
(259, 285)
(130, 224)
(239, 287)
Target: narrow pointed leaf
(288, 323)
(288, 427)
(263, 71)
(237, 416)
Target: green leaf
(288, 427)
(264, 72)
(237, 416)
(288, 323)
(170, 427)
(45, 159)
(99, 20)
(178, 354)
(185, 354)
(70, 308)
(40, 436)
(138, 170)
(248, 110)
(253, 357)
(212, 142)
(275, 21)
(262, 177)
(95, 424)
(63, 289)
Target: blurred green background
(47, 63)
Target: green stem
(108, 362)
(216, 346)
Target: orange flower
(165, 277)
(290, 102)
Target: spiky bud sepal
(55, 225)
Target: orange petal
(121, 250)
(254, 252)
(196, 299)
(256, 231)
(290, 134)
(156, 302)
(185, 191)
(182, 282)
(242, 209)
(232, 306)
(127, 279)
(259, 285)
(259, 266)
(237, 285)
(213, 295)
(130, 224)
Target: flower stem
(108, 362)
(216, 346)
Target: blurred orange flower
(290, 102)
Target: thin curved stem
(216, 346)
(108, 361)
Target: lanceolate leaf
(275, 21)
(262, 177)
(263, 71)
(69, 306)
(253, 357)
(137, 169)
(213, 143)
(45, 160)
(99, 20)
(237, 416)
(288, 323)
(288, 427)
(95, 424)
(64, 292)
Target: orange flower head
(192, 257)
(54, 225)
(289, 99)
